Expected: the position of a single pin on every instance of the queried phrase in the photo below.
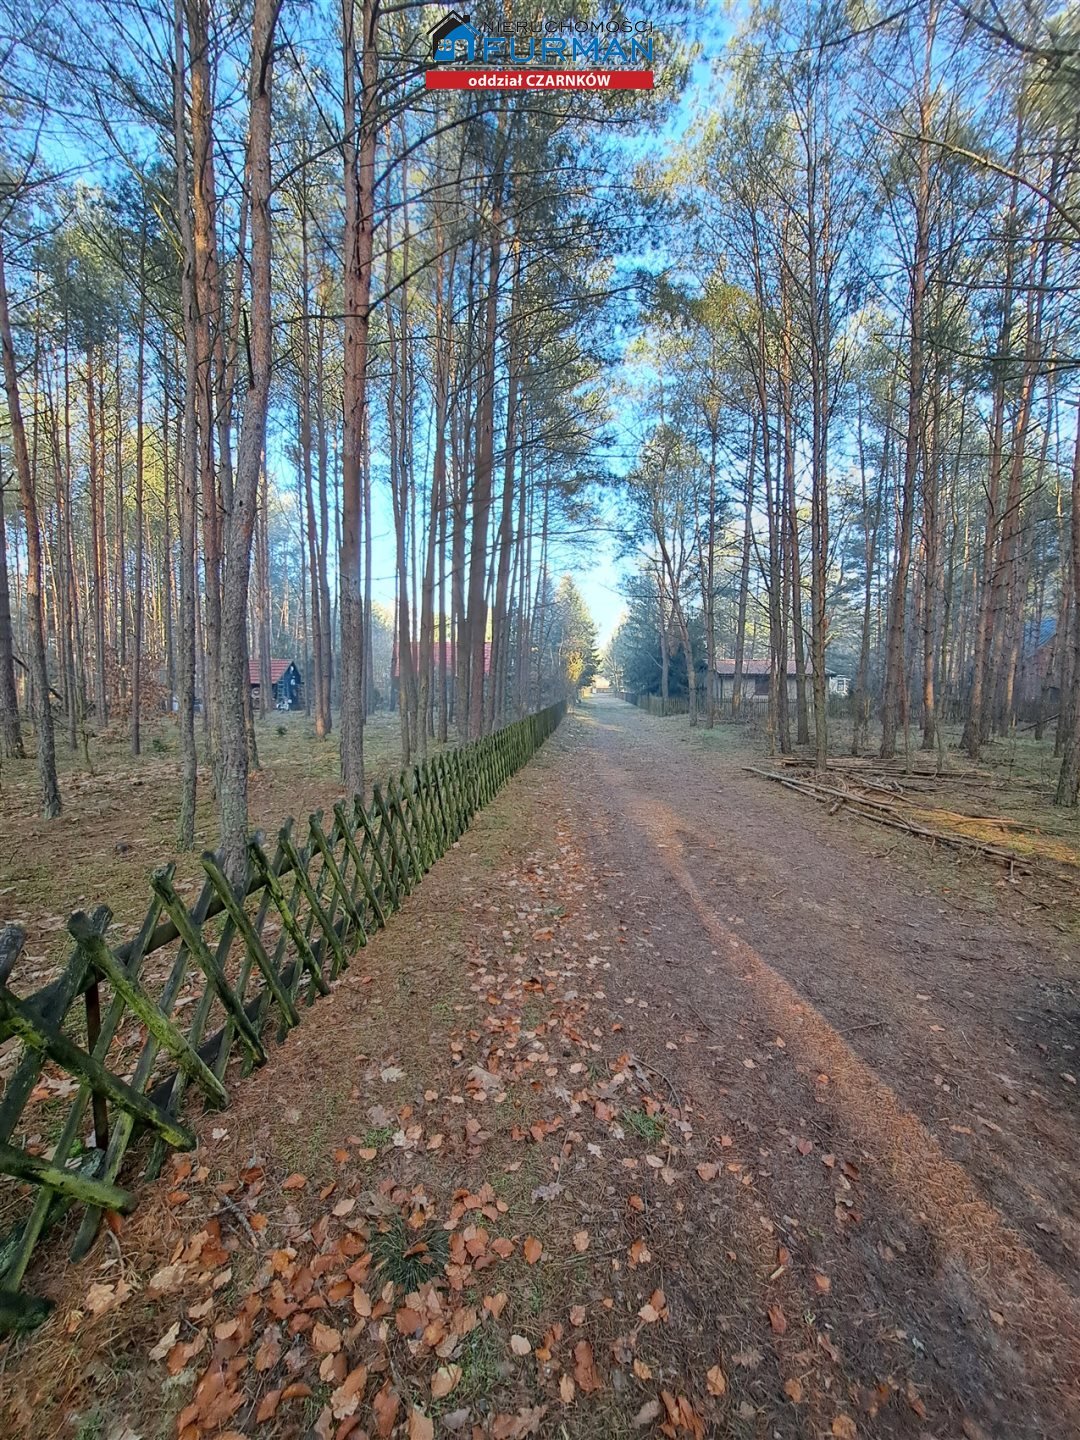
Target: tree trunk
(10, 729)
(233, 768)
(43, 718)
(359, 168)
(187, 461)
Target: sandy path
(925, 1036)
(770, 1127)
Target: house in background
(286, 684)
(755, 681)
(1039, 672)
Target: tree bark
(39, 673)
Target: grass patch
(481, 1355)
(645, 1127)
(409, 1257)
(91, 1426)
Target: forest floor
(669, 1104)
(120, 816)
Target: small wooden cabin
(755, 680)
(286, 684)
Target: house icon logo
(452, 31)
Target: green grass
(480, 1357)
(645, 1127)
(409, 1257)
(91, 1426)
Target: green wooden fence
(124, 1034)
(654, 705)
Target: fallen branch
(885, 814)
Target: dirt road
(836, 996)
(668, 1105)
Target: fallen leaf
(519, 1345)
(408, 1321)
(444, 1380)
(777, 1319)
(165, 1344)
(577, 1314)
(567, 1388)
(708, 1171)
(716, 1380)
(345, 1400)
(585, 1367)
(268, 1407)
(532, 1249)
(581, 1241)
(268, 1353)
(844, 1428)
(296, 1181)
(421, 1426)
(100, 1298)
(649, 1412)
(325, 1340)
(386, 1405)
(793, 1390)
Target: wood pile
(854, 794)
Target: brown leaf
(386, 1405)
(912, 1397)
(844, 1428)
(533, 1250)
(567, 1388)
(716, 1380)
(708, 1171)
(296, 1181)
(408, 1321)
(793, 1390)
(297, 1391)
(267, 1407)
(325, 1340)
(346, 1398)
(585, 1372)
(100, 1298)
(421, 1426)
(777, 1319)
(649, 1412)
(581, 1241)
(444, 1380)
(577, 1314)
(496, 1303)
(640, 1253)
(166, 1343)
(269, 1352)
(519, 1345)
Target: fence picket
(344, 884)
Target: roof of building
(449, 651)
(277, 670)
(726, 668)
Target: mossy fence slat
(655, 705)
(163, 1013)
